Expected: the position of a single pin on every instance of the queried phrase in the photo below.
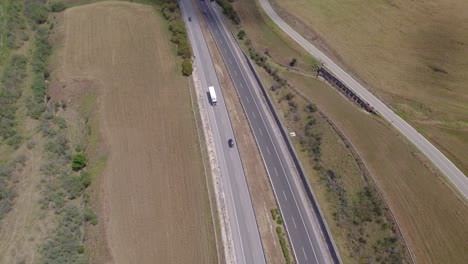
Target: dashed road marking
(294, 222)
(268, 150)
(285, 195)
(247, 99)
(253, 114)
(259, 129)
(303, 251)
(276, 171)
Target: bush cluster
(171, 13)
(229, 11)
(284, 246)
(36, 104)
(6, 191)
(262, 61)
(12, 77)
(36, 12)
(64, 245)
(57, 6)
(15, 23)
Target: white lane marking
(276, 171)
(268, 150)
(294, 222)
(235, 72)
(276, 151)
(225, 50)
(221, 40)
(230, 61)
(242, 86)
(259, 129)
(253, 114)
(303, 251)
(285, 195)
(246, 98)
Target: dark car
(189, 18)
(231, 143)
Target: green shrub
(15, 141)
(80, 249)
(36, 12)
(279, 221)
(187, 67)
(229, 11)
(60, 122)
(293, 62)
(57, 6)
(311, 108)
(63, 245)
(85, 179)
(241, 34)
(90, 216)
(78, 161)
(73, 185)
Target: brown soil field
(432, 218)
(152, 194)
(411, 55)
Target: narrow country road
(454, 174)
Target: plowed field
(154, 199)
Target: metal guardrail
(310, 194)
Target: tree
(241, 34)
(78, 161)
(293, 62)
(187, 67)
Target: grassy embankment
(25, 104)
(412, 56)
(352, 205)
(401, 173)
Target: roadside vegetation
(276, 216)
(64, 174)
(228, 10)
(64, 169)
(405, 178)
(360, 221)
(171, 12)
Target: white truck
(212, 95)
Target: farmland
(152, 196)
(433, 225)
(412, 56)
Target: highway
(305, 235)
(455, 175)
(244, 230)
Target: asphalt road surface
(454, 174)
(306, 238)
(247, 243)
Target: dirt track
(154, 197)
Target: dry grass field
(153, 192)
(411, 54)
(432, 218)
